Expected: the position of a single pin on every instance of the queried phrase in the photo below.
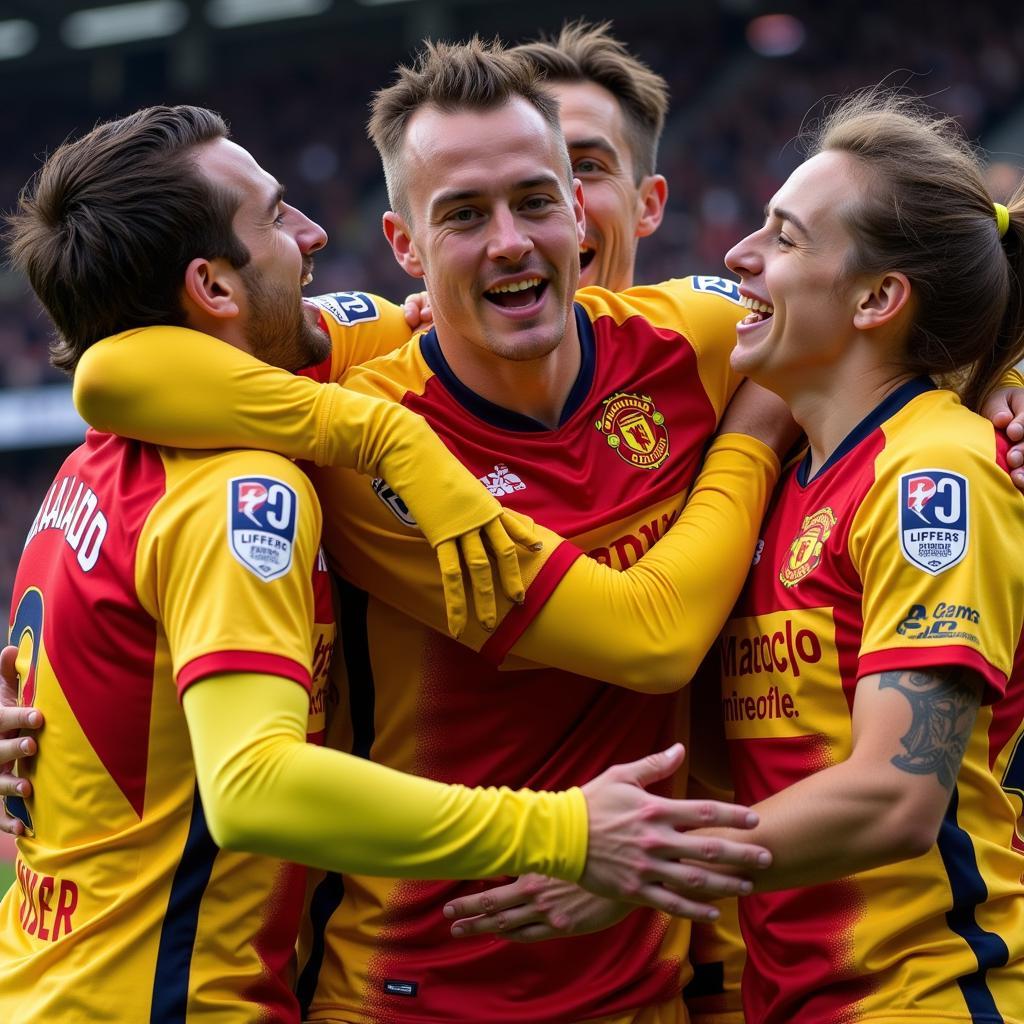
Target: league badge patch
(348, 308)
(933, 519)
(261, 525)
(717, 286)
(635, 429)
(805, 552)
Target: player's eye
(587, 165)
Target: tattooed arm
(885, 802)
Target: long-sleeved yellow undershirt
(265, 790)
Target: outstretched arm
(266, 790)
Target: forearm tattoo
(943, 704)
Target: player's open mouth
(517, 294)
(759, 311)
(587, 257)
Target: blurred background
(293, 78)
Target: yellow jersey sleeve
(267, 791)
(225, 565)
(936, 542)
(361, 327)
(649, 627)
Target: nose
(744, 258)
(507, 239)
(309, 236)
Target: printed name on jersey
(73, 509)
(804, 555)
(262, 514)
(933, 519)
(348, 308)
(634, 429)
(946, 622)
(717, 286)
(399, 509)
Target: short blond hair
(477, 75)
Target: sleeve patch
(348, 308)
(262, 513)
(933, 507)
(717, 286)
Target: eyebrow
(596, 142)
(786, 215)
(278, 196)
(461, 195)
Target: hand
(502, 536)
(534, 908)
(759, 412)
(418, 314)
(13, 746)
(636, 841)
(1005, 408)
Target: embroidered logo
(261, 525)
(933, 519)
(502, 481)
(805, 552)
(635, 429)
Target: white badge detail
(933, 519)
(262, 513)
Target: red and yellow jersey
(611, 477)
(902, 552)
(146, 571)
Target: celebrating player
(194, 575)
(872, 685)
(592, 417)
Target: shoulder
(393, 374)
(694, 298)
(348, 309)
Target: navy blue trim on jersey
(181, 922)
(498, 416)
(708, 980)
(969, 890)
(330, 892)
(886, 409)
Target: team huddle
(386, 618)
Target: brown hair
(925, 211)
(477, 75)
(585, 52)
(106, 227)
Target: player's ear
(881, 300)
(578, 209)
(652, 199)
(400, 239)
(210, 288)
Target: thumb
(8, 676)
(655, 767)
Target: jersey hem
(242, 661)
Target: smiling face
(281, 241)
(494, 226)
(620, 210)
(792, 276)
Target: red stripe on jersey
(99, 639)
(1009, 712)
(515, 623)
(220, 662)
(894, 659)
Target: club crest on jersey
(635, 429)
(348, 308)
(933, 519)
(261, 524)
(804, 555)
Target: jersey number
(28, 626)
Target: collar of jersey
(497, 415)
(884, 410)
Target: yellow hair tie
(1002, 218)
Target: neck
(538, 388)
(829, 409)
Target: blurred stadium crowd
(299, 104)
